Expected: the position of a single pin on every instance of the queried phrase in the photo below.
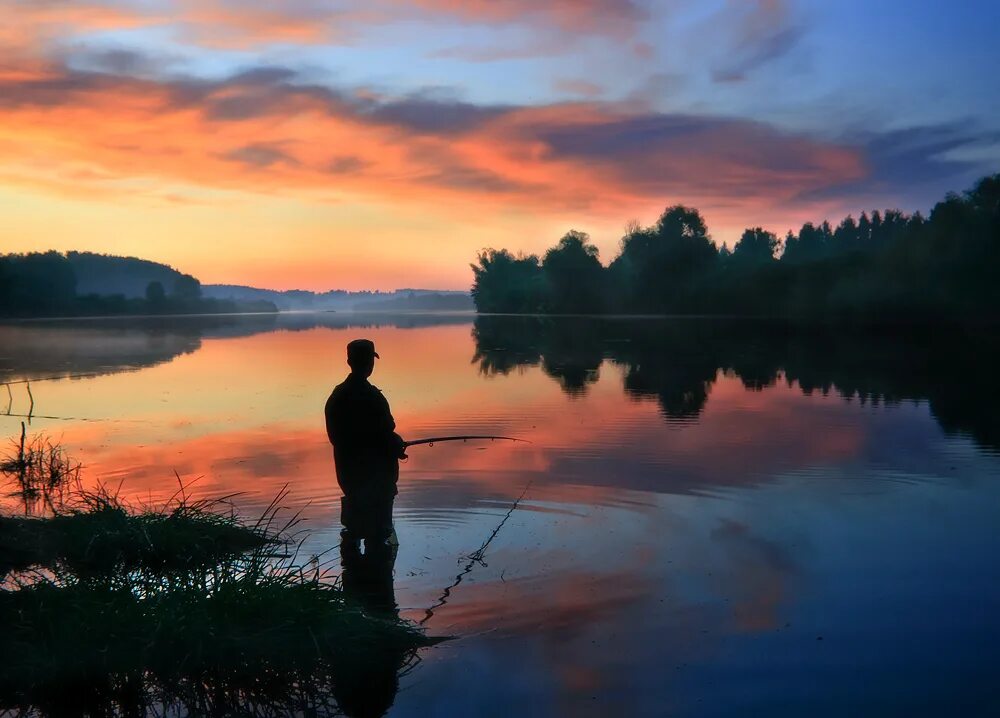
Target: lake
(715, 518)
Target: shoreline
(790, 322)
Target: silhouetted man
(366, 449)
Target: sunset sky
(381, 143)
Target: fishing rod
(436, 439)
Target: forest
(885, 266)
(49, 284)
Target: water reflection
(42, 349)
(678, 361)
(367, 578)
(706, 500)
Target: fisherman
(366, 450)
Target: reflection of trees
(566, 349)
(36, 350)
(571, 356)
(506, 343)
(677, 361)
(681, 393)
(673, 363)
(953, 370)
(88, 347)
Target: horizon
(379, 146)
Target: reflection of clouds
(626, 616)
(558, 610)
(743, 440)
(760, 573)
(643, 552)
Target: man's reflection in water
(367, 575)
(367, 578)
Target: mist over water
(718, 517)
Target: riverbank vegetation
(883, 266)
(183, 609)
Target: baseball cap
(361, 349)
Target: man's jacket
(362, 431)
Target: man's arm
(396, 445)
(329, 412)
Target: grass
(98, 535)
(183, 609)
(42, 472)
(243, 638)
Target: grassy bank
(239, 638)
(105, 537)
(187, 609)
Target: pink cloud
(265, 131)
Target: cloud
(754, 33)
(425, 114)
(122, 61)
(233, 24)
(923, 162)
(579, 87)
(658, 154)
(260, 155)
(591, 16)
(26, 24)
(346, 164)
(85, 132)
(569, 155)
(545, 47)
(520, 43)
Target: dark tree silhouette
(505, 283)
(661, 265)
(811, 244)
(574, 277)
(155, 293)
(42, 283)
(883, 267)
(756, 247)
(187, 288)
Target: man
(366, 450)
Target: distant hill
(51, 284)
(291, 299)
(78, 283)
(344, 301)
(411, 300)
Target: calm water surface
(717, 519)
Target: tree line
(888, 266)
(46, 284)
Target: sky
(380, 144)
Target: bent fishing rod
(436, 439)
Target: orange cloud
(232, 24)
(600, 16)
(265, 131)
(28, 26)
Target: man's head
(361, 356)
